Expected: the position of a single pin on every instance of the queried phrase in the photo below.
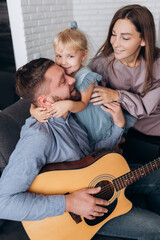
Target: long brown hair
(143, 20)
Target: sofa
(11, 120)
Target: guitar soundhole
(106, 193)
(107, 190)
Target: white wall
(95, 16)
(17, 31)
(34, 23)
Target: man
(42, 83)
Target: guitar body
(102, 170)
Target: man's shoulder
(34, 128)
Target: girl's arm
(61, 107)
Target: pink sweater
(129, 82)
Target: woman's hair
(71, 38)
(30, 79)
(143, 20)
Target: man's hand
(84, 204)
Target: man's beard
(56, 98)
(75, 97)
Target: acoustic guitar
(101, 168)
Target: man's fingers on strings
(100, 209)
(97, 214)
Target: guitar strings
(128, 178)
(123, 182)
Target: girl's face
(69, 59)
(126, 42)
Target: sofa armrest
(12, 119)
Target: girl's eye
(71, 56)
(58, 56)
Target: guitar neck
(132, 176)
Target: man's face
(61, 86)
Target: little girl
(71, 50)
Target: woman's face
(126, 41)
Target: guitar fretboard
(132, 176)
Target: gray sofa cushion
(11, 120)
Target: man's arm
(25, 163)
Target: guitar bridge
(75, 217)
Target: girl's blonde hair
(71, 38)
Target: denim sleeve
(25, 163)
(110, 142)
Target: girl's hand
(103, 95)
(40, 113)
(60, 108)
(116, 111)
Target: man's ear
(44, 101)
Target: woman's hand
(103, 95)
(115, 110)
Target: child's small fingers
(42, 109)
(45, 115)
(51, 110)
(54, 114)
(44, 120)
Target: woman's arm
(133, 101)
(140, 106)
(103, 95)
(137, 105)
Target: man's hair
(30, 78)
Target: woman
(129, 63)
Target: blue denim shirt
(41, 143)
